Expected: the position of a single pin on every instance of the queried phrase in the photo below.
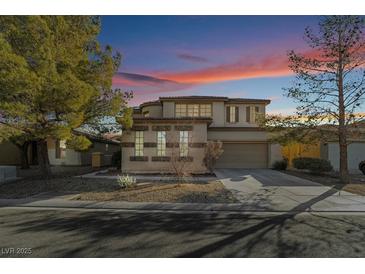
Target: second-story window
(180, 110)
(193, 110)
(253, 114)
(232, 114)
(248, 114)
(205, 110)
(257, 114)
(138, 145)
(184, 143)
(161, 143)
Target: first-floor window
(60, 149)
(184, 143)
(138, 145)
(161, 143)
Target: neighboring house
(329, 151)
(10, 154)
(59, 154)
(355, 154)
(179, 128)
(295, 150)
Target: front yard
(357, 185)
(212, 192)
(109, 190)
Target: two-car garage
(243, 155)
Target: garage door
(237, 155)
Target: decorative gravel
(109, 190)
(213, 192)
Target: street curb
(58, 203)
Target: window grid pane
(138, 146)
(180, 110)
(161, 143)
(232, 114)
(184, 143)
(205, 110)
(193, 110)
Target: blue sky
(236, 56)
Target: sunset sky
(235, 56)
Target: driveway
(266, 189)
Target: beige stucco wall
(218, 114)
(237, 135)
(197, 135)
(72, 158)
(274, 154)
(168, 109)
(154, 111)
(75, 158)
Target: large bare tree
(330, 78)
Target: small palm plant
(126, 181)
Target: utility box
(97, 160)
(7, 173)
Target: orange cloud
(273, 66)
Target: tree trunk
(342, 139)
(43, 159)
(24, 155)
(342, 128)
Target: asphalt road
(86, 233)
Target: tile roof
(221, 98)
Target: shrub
(126, 181)
(280, 165)
(116, 159)
(213, 151)
(314, 165)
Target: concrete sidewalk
(322, 203)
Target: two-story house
(180, 127)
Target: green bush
(280, 165)
(314, 165)
(117, 159)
